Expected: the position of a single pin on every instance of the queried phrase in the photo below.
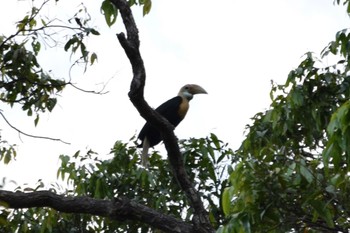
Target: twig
(101, 92)
(30, 135)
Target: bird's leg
(144, 155)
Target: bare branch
(30, 135)
(117, 209)
(100, 92)
(131, 46)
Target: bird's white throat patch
(187, 95)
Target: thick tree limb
(131, 46)
(117, 209)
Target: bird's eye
(187, 87)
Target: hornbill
(174, 110)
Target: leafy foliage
(23, 80)
(7, 151)
(110, 12)
(88, 175)
(293, 169)
(345, 2)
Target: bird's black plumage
(170, 111)
(174, 110)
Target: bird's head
(189, 90)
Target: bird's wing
(169, 110)
(173, 103)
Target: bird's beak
(196, 89)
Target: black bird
(174, 110)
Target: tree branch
(131, 45)
(30, 135)
(117, 209)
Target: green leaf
(36, 120)
(211, 170)
(322, 211)
(246, 224)
(290, 169)
(70, 42)
(97, 189)
(215, 140)
(131, 2)
(94, 32)
(36, 47)
(51, 103)
(93, 58)
(147, 7)
(29, 112)
(305, 172)
(226, 200)
(297, 98)
(221, 157)
(8, 156)
(44, 23)
(109, 11)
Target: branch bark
(131, 45)
(117, 209)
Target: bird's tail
(144, 154)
